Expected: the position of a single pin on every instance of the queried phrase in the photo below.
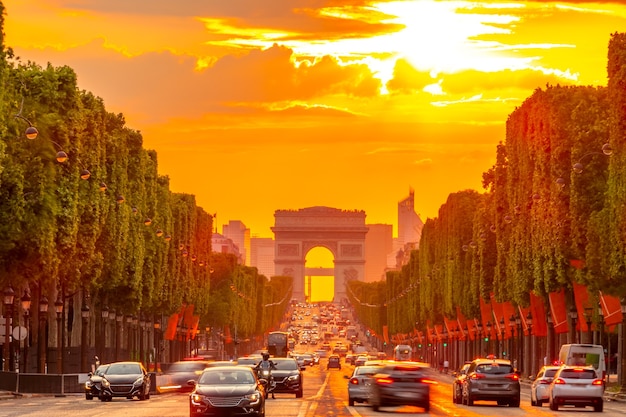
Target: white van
(582, 354)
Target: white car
(578, 386)
(540, 385)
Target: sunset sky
(256, 106)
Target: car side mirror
(346, 377)
(191, 382)
(90, 374)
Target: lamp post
(41, 338)
(501, 336)
(104, 314)
(157, 344)
(520, 345)
(573, 314)
(480, 339)
(511, 342)
(588, 314)
(550, 339)
(26, 302)
(129, 343)
(58, 308)
(84, 335)
(119, 318)
(142, 328)
(9, 295)
(531, 345)
(489, 350)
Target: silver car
(402, 383)
(578, 386)
(359, 383)
(540, 385)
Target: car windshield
(287, 365)
(225, 377)
(494, 369)
(186, 367)
(123, 369)
(101, 369)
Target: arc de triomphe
(342, 232)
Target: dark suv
(490, 379)
(288, 376)
(401, 383)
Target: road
(325, 394)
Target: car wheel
(147, 396)
(103, 398)
(299, 393)
(470, 400)
(553, 404)
(350, 402)
(598, 407)
(375, 407)
(427, 407)
(532, 402)
(261, 412)
(514, 402)
(88, 397)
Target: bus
(278, 344)
(402, 353)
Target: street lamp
(104, 314)
(157, 343)
(9, 295)
(588, 317)
(573, 314)
(520, 345)
(488, 337)
(511, 347)
(41, 339)
(119, 318)
(84, 335)
(26, 302)
(58, 308)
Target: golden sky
(257, 106)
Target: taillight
(354, 381)
(545, 381)
(513, 377)
(598, 382)
(477, 376)
(384, 380)
(559, 381)
(428, 381)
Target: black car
(178, 374)
(288, 376)
(125, 379)
(92, 385)
(401, 383)
(227, 390)
(491, 379)
(457, 384)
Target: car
(359, 383)
(491, 379)
(402, 383)
(92, 385)
(177, 375)
(227, 390)
(288, 376)
(576, 385)
(541, 383)
(250, 360)
(360, 360)
(125, 379)
(457, 383)
(334, 361)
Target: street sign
(20, 333)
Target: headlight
(196, 399)
(138, 381)
(105, 383)
(88, 384)
(253, 398)
(294, 378)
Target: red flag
(486, 315)
(227, 337)
(581, 299)
(538, 312)
(386, 333)
(170, 331)
(611, 309)
(577, 263)
(558, 310)
(461, 323)
(508, 311)
(188, 317)
(194, 327)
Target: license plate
(405, 394)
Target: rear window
(578, 374)
(366, 370)
(550, 372)
(494, 369)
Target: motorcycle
(264, 374)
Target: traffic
(303, 372)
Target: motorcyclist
(266, 364)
